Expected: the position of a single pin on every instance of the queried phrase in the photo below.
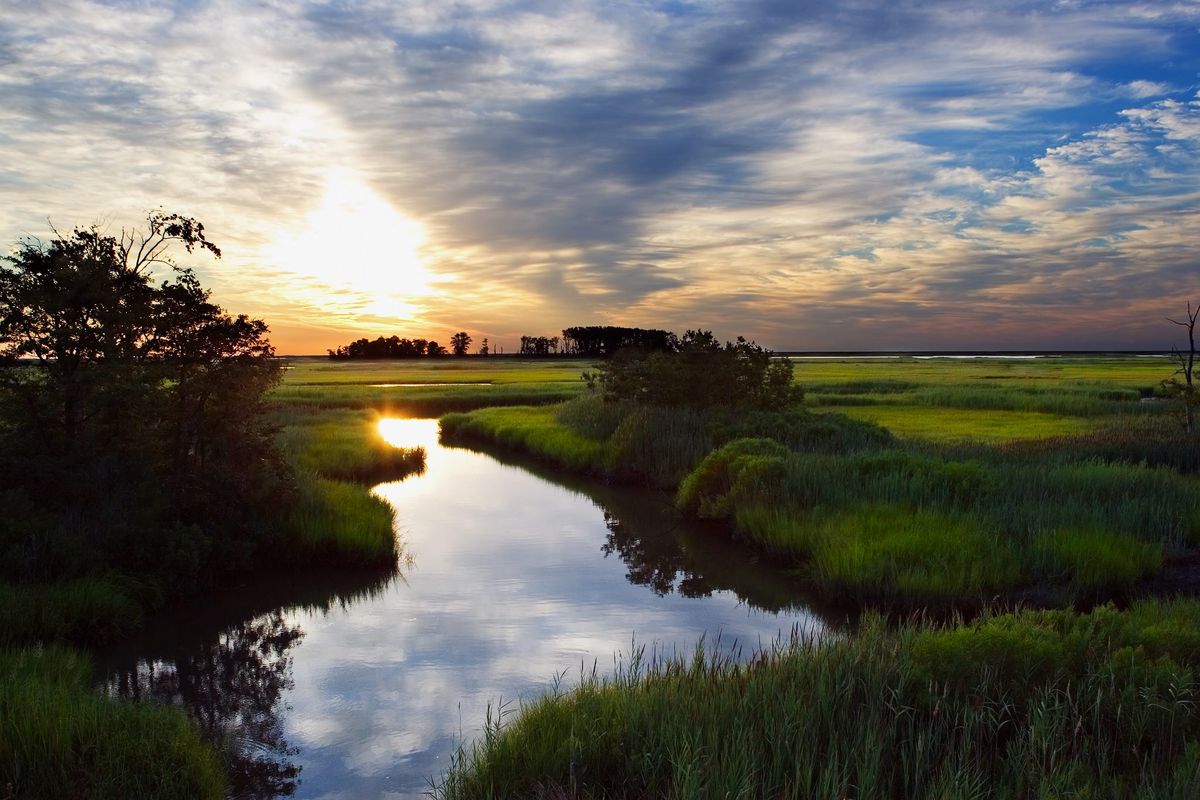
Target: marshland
(493, 578)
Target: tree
(459, 343)
(123, 382)
(1181, 385)
(702, 373)
(483, 348)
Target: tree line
(588, 341)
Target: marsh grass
(58, 738)
(1099, 705)
(340, 523)
(343, 444)
(93, 609)
(948, 424)
(438, 386)
(873, 520)
(913, 530)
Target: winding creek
(511, 577)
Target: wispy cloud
(803, 173)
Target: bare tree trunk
(1187, 363)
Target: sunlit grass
(343, 444)
(938, 424)
(341, 523)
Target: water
(337, 685)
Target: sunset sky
(814, 175)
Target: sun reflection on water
(400, 432)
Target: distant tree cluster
(606, 340)
(391, 347)
(539, 345)
(700, 372)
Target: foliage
(539, 345)
(702, 373)
(459, 343)
(606, 340)
(391, 347)
(132, 423)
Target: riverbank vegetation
(140, 464)
(1036, 704)
(1036, 494)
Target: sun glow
(363, 253)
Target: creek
(513, 580)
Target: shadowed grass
(1101, 705)
(58, 738)
(93, 609)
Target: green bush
(705, 491)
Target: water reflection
(231, 686)
(229, 667)
(368, 686)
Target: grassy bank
(58, 738)
(89, 581)
(949, 503)
(1048, 704)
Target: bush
(703, 373)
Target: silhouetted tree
(434, 350)
(606, 340)
(483, 348)
(1181, 385)
(701, 373)
(459, 343)
(117, 393)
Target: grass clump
(1017, 706)
(58, 738)
(340, 522)
(888, 554)
(344, 444)
(1096, 560)
(531, 429)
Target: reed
(340, 523)
(1081, 705)
(58, 738)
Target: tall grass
(530, 429)
(93, 609)
(340, 523)
(912, 529)
(343, 444)
(1101, 705)
(60, 739)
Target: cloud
(579, 161)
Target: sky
(812, 175)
